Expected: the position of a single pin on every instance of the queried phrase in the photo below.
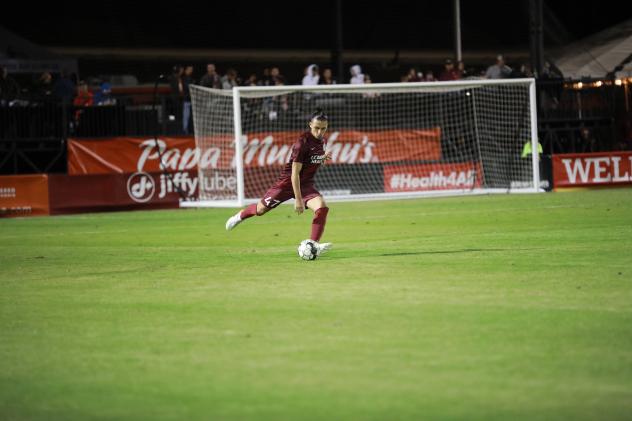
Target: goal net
(387, 140)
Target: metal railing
(571, 118)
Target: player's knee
(261, 209)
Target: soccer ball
(307, 250)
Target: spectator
(413, 76)
(211, 79)
(499, 70)
(266, 76)
(84, 97)
(277, 77)
(430, 76)
(273, 77)
(44, 87)
(187, 80)
(460, 67)
(588, 141)
(357, 78)
(104, 95)
(230, 79)
(367, 80)
(449, 72)
(311, 75)
(549, 71)
(175, 82)
(64, 88)
(552, 87)
(327, 78)
(524, 71)
(9, 88)
(252, 80)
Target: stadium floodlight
(388, 140)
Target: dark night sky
(228, 24)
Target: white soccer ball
(307, 250)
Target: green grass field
(489, 307)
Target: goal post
(388, 140)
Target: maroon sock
(249, 211)
(318, 223)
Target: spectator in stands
(449, 72)
(230, 79)
(187, 80)
(367, 80)
(269, 76)
(9, 88)
(104, 95)
(282, 100)
(522, 72)
(44, 87)
(549, 71)
(265, 76)
(551, 88)
(64, 88)
(276, 77)
(588, 142)
(312, 75)
(327, 77)
(499, 70)
(211, 79)
(413, 76)
(430, 76)
(84, 97)
(357, 77)
(460, 67)
(252, 80)
(175, 82)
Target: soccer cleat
(322, 248)
(233, 221)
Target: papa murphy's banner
(130, 155)
(407, 178)
(592, 169)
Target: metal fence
(590, 117)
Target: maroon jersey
(308, 150)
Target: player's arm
(299, 206)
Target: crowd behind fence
(573, 116)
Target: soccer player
(297, 181)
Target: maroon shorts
(275, 196)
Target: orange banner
(592, 169)
(24, 195)
(404, 178)
(130, 155)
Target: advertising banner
(426, 177)
(130, 155)
(108, 192)
(592, 169)
(24, 195)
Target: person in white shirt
(311, 75)
(356, 75)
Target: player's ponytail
(319, 114)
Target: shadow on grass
(426, 252)
(412, 253)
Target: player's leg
(316, 202)
(273, 198)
